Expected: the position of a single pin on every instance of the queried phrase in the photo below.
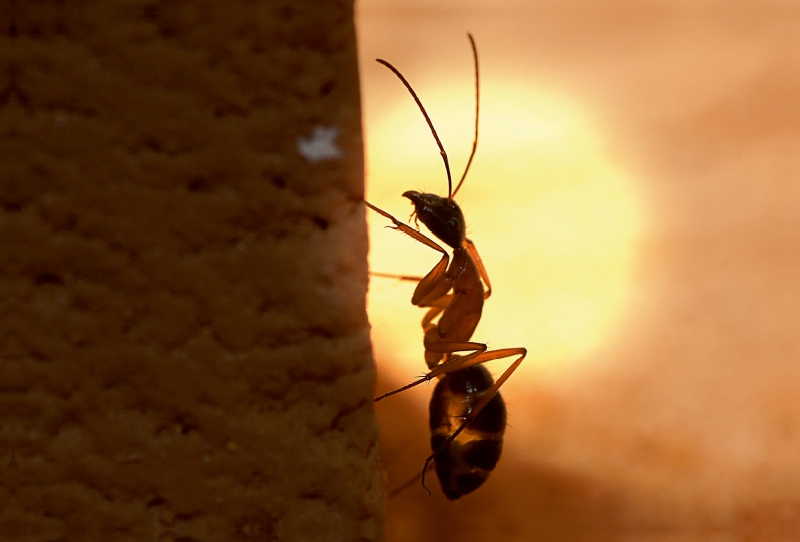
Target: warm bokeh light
(556, 224)
(635, 198)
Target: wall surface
(185, 350)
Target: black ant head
(443, 216)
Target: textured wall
(185, 351)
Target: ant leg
(489, 356)
(433, 286)
(395, 276)
(438, 301)
(481, 269)
(478, 348)
(488, 395)
(408, 230)
(480, 355)
(456, 363)
(436, 309)
(432, 281)
(405, 485)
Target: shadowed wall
(185, 350)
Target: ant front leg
(408, 230)
(435, 282)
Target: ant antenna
(477, 110)
(428, 119)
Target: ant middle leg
(408, 278)
(437, 282)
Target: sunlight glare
(555, 223)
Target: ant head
(443, 216)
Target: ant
(467, 413)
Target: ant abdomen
(464, 464)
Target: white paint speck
(321, 145)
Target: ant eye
(456, 223)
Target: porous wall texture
(184, 345)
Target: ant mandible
(464, 451)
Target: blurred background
(636, 200)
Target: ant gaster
(467, 414)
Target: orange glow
(555, 223)
(635, 198)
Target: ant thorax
(441, 215)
